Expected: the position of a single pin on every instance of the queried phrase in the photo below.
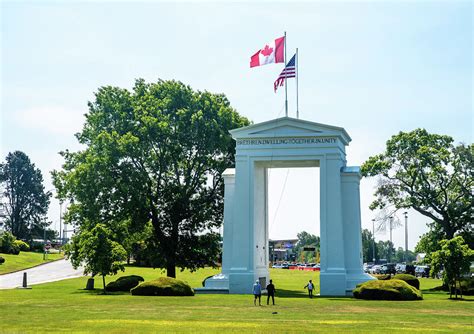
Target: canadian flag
(272, 52)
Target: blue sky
(374, 68)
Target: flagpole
(297, 65)
(286, 89)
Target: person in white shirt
(310, 287)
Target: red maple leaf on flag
(267, 51)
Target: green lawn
(65, 307)
(24, 260)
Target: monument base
(235, 283)
(332, 284)
(356, 278)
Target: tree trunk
(103, 281)
(171, 269)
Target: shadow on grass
(99, 292)
(282, 293)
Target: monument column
(241, 274)
(333, 271)
(229, 190)
(350, 177)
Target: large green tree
(385, 250)
(368, 246)
(23, 196)
(157, 154)
(428, 173)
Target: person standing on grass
(257, 292)
(271, 292)
(310, 287)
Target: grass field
(25, 260)
(65, 307)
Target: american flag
(288, 72)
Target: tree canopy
(96, 250)
(157, 154)
(428, 173)
(23, 196)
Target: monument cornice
(288, 128)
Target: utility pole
(44, 243)
(60, 222)
(373, 241)
(390, 245)
(406, 236)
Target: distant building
(282, 250)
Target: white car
(375, 269)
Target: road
(49, 272)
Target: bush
(163, 286)
(410, 279)
(2, 260)
(382, 277)
(8, 244)
(36, 246)
(23, 246)
(124, 283)
(467, 285)
(393, 289)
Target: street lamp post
(373, 241)
(406, 236)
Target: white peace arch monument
(287, 143)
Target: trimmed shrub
(23, 246)
(124, 283)
(410, 279)
(382, 277)
(163, 286)
(393, 289)
(2, 260)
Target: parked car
(388, 268)
(422, 271)
(402, 268)
(367, 267)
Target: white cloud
(51, 119)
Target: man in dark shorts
(257, 292)
(271, 292)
